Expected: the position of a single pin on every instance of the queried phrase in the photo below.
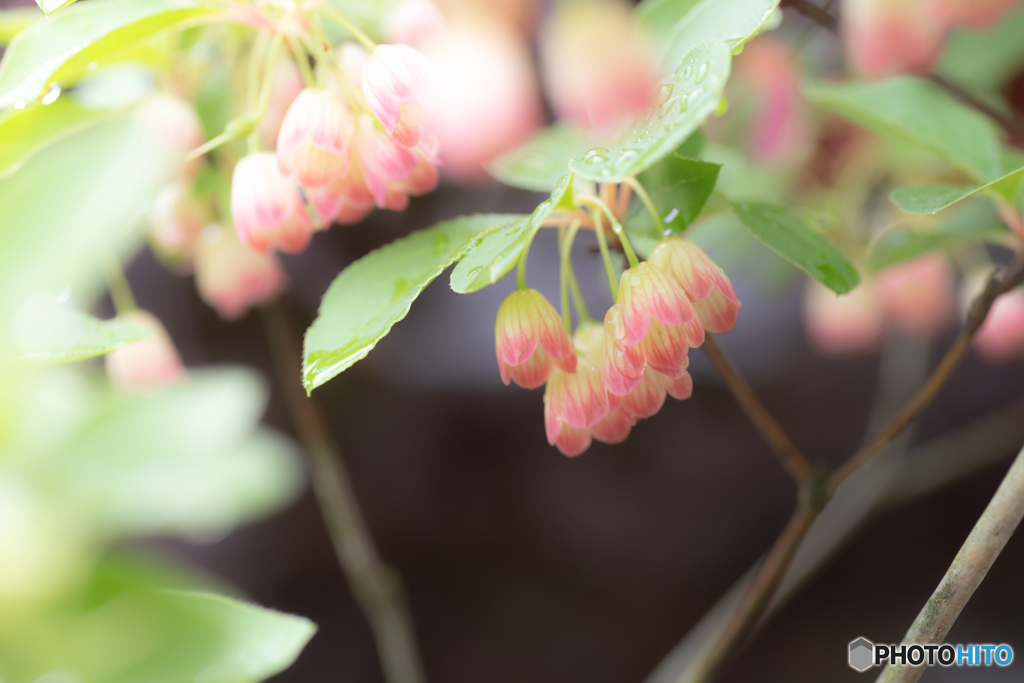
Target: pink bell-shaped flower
(397, 81)
(377, 161)
(705, 284)
(646, 294)
(598, 70)
(267, 208)
(1001, 336)
(612, 428)
(917, 295)
(148, 364)
(622, 367)
(313, 144)
(888, 37)
(843, 325)
(232, 277)
(576, 401)
(175, 124)
(175, 221)
(529, 339)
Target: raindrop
(52, 95)
(19, 105)
(596, 155)
(702, 72)
(664, 93)
(475, 270)
(669, 106)
(688, 71)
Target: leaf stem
(646, 199)
(338, 18)
(120, 291)
(376, 587)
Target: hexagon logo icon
(862, 654)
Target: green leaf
(732, 22)
(918, 111)
(137, 618)
(106, 177)
(61, 48)
(659, 17)
(687, 100)
(15, 20)
(540, 163)
(375, 292)
(985, 59)
(255, 643)
(934, 198)
(45, 331)
(189, 459)
(967, 224)
(790, 237)
(51, 6)
(490, 259)
(679, 187)
(24, 132)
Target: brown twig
(998, 284)
(814, 13)
(376, 586)
(780, 443)
(971, 564)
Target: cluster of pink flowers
(887, 37)
(342, 149)
(604, 378)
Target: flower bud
(267, 207)
(314, 139)
(232, 277)
(1001, 336)
(175, 221)
(525, 322)
(148, 364)
(887, 37)
(704, 283)
(842, 325)
(597, 69)
(917, 295)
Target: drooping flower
(267, 208)
(842, 325)
(917, 295)
(232, 277)
(529, 339)
(574, 402)
(887, 37)
(397, 82)
(313, 144)
(339, 202)
(377, 160)
(175, 221)
(285, 85)
(705, 284)
(646, 294)
(175, 124)
(1001, 336)
(148, 364)
(597, 69)
(649, 396)
(622, 367)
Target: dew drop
(702, 72)
(52, 95)
(475, 270)
(595, 156)
(688, 71)
(669, 106)
(664, 93)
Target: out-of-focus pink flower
(175, 221)
(488, 102)
(397, 81)
(843, 325)
(597, 69)
(917, 295)
(412, 20)
(314, 139)
(575, 402)
(379, 160)
(232, 277)
(267, 207)
(974, 13)
(704, 283)
(285, 86)
(1011, 217)
(887, 37)
(339, 202)
(175, 124)
(767, 74)
(1001, 336)
(529, 338)
(148, 364)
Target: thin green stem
(120, 291)
(616, 226)
(302, 61)
(338, 18)
(565, 240)
(577, 297)
(521, 271)
(351, 92)
(646, 199)
(602, 243)
(582, 314)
